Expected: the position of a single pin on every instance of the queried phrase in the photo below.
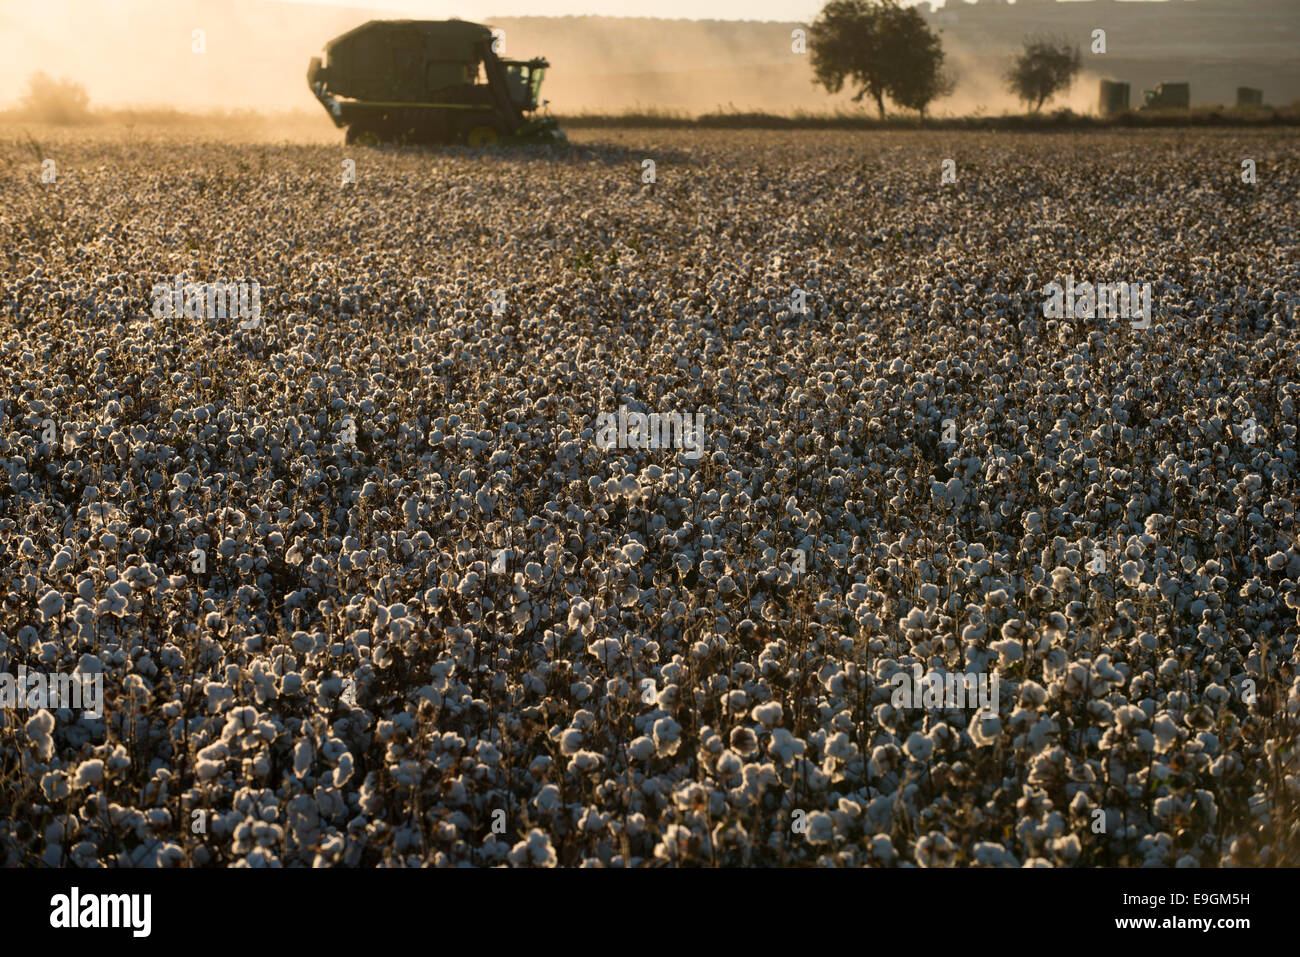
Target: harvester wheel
(483, 135)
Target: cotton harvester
(429, 81)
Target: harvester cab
(524, 81)
(429, 81)
(1167, 96)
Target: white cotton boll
(1009, 650)
(570, 742)
(1131, 574)
(988, 854)
(88, 773)
(39, 727)
(915, 620)
(51, 605)
(548, 799)
(667, 736)
(1067, 848)
(56, 785)
(785, 747)
(918, 746)
(984, 728)
(734, 702)
(303, 755)
(821, 828)
(729, 763)
(641, 748)
(606, 650)
(586, 762)
(581, 619)
(1032, 694)
(633, 552)
(533, 851)
(882, 849)
(1277, 561)
(343, 771)
(935, 850)
(1165, 730)
(767, 714)
(840, 747)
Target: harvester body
(430, 81)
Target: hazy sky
(781, 10)
(784, 11)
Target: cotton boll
(984, 729)
(744, 742)
(1009, 651)
(39, 728)
(768, 714)
(785, 747)
(918, 746)
(821, 828)
(89, 773)
(534, 851)
(570, 742)
(667, 736)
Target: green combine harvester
(429, 81)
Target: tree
(1046, 66)
(918, 74)
(881, 48)
(55, 101)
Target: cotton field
(796, 498)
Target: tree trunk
(880, 103)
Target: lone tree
(1046, 66)
(884, 49)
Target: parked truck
(429, 81)
(1114, 98)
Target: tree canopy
(1046, 66)
(883, 49)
